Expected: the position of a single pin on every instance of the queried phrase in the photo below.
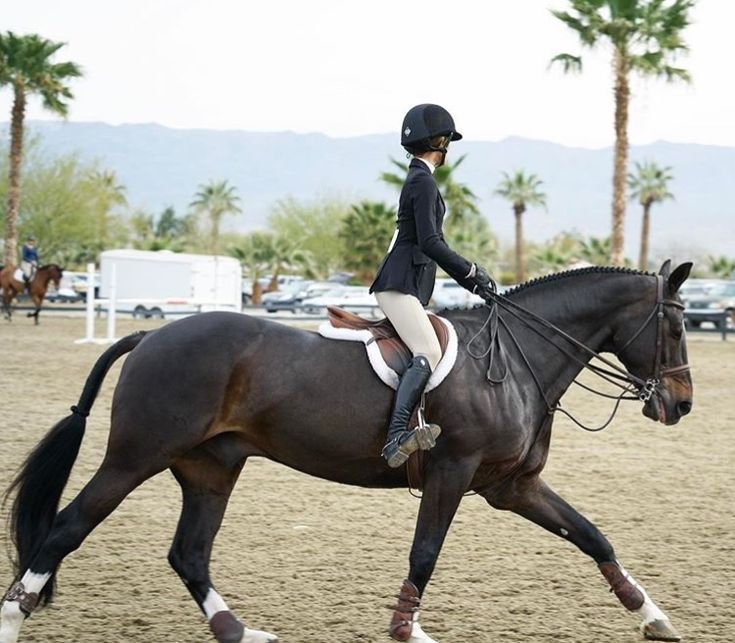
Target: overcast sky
(346, 68)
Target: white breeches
(412, 324)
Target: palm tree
(255, 254)
(722, 266)
(645, 36)
(521, 191)
(648, 185)
(367, 230)
(595, 250)
(25, 65)
(216, 199)
(283, 254)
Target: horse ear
(679, 276)
(665, 269)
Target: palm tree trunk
(257, 291)
(16, 158)
(622, 98)
(643, 259)
(520, 256)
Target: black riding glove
(481, 280)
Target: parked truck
(156, 284)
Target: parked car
(698, 287)
(65, 293)
(353, 298)
(449, 294)
(710, 307)
(287, 297)
(79, 283)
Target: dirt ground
(317, 562)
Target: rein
(613, 374)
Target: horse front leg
(537, 502)
(445, 483)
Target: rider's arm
(430, 240)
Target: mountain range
(161, 166)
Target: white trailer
(155, 284)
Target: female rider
(405, 279)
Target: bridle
(611, 372)
(650, 386)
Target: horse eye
(677, 332)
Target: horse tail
(41, 479)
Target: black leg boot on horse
(402, 442)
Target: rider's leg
(413, 326)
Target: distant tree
(522, 191)
(312, 227)
(216, 199)
(596, 250)
(472, 238)
(26, 66)
(648, 185)
(366, 231)
(645, 36)
(284, 255)
(550, 258)
(110, 195)
(167, 232)
(255, 253)
(722, 266)
(65, 207)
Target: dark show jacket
(410, 265)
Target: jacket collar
(420, 165)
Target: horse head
(652, 347)
(54, 272)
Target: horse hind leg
(537, 502)
(100, 496)
(207, 481)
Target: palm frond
(569, 63)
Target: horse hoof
(660, 630)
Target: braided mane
(556, 276)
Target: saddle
(387, 353)
(390, 357)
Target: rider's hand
(482, 281)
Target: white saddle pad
(386, 374)
(18, 275)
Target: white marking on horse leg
(34, 582)
(214, 603)
(649, 611)
(11, 616)
(417, 634)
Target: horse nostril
(684, 407)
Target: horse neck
(587, 307)
(41, 278)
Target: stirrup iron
(422, 437)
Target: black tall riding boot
(400, 442)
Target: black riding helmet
(425, 122)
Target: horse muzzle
(662, 407)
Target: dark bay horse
(36, 289)
(203, 394)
